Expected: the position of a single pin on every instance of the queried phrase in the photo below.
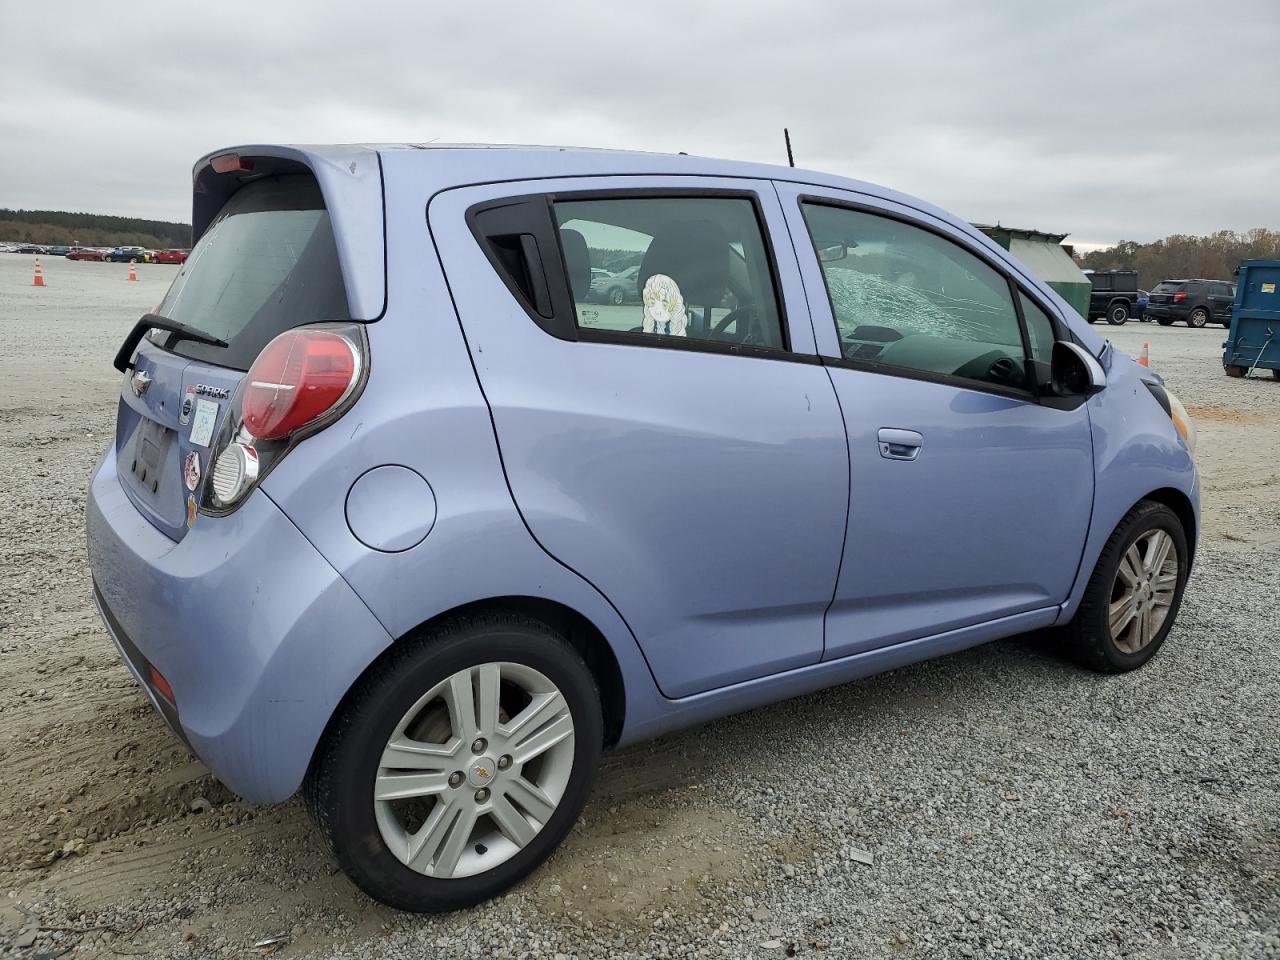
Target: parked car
(32, 248)
(1195, 302)
(125, 254)
(85, 253)
(617, 288)
(427, 571)
(1114, 295)
(170, 256)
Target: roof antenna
(786, 135)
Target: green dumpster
(1046, 257)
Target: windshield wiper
(153, 321)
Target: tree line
(90, 229)
(1214, 257)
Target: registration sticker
(1268, 288)
(202, 423)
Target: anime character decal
(664, 307)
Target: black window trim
(558, 277)
(871, 366)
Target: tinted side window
(905, 297)
(693, 267)
(1039, 329)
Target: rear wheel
(616, 296)
(1235, 370)
(459, 763)
(1275, 374)
(1165, 321)
(1135, 591)
(1117, 314)
(1198, 317)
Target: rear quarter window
(267, 263)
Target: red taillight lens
(162, 686)
(297, 378)
(1179, 296)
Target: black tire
(339, 787)
(1275, 374)
(1198, 317)
(1087, 638)
(1091, 319)
(1118, 313)
(1165, 321)
(617, 297)
(1235, 370)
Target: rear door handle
(898, 444)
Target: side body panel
(422, 408)
(987, 521)
(1137, 451)
(703, 493)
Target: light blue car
(396, 514)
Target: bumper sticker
(191, 470)
(202, 426)
(188, 401)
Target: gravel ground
(996, 803)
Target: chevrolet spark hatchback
(399, 513)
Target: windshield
(267, 263)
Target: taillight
(1179, 296)
(302, 381)
(296, 379)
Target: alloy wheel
(1142, 594)
(474, 769)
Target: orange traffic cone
(133, 269)
(1145, 359)
(39, 278)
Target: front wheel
(1117, 314)
(617, 297)
(1198, 317)
(459, 762)
(1133, 596)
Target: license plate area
(149, 455)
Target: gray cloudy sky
(1110, 120)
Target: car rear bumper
(1167, 311)
(258, 636)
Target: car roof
(351, 178)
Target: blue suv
(398, 515)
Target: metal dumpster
(1254, 340)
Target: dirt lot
(1008, 804)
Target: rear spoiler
(350, 179)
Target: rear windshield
(1166, 287)
(267, 263)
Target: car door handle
(899, 444)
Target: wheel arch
(576, 628)
(1180, 504)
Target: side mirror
(1074, 371)
(833, 252)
